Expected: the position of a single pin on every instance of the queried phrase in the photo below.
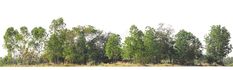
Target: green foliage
(113, 47)
(228, 61)
(90, 46)
(10, 40)
(150, 47)
(134, 48)
(6, 60)
(188, 47)
(217, 42)
(37, 42)
(164, 41)
(38, 33)
(95, 45)
(74, 50)
(152, 50)
(57, 25)
(55, 44)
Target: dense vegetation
(86, 45)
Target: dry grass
(121, 64)
(117, 64)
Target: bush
(228, 61)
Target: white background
(117, 16)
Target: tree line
(88, 45)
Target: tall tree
(217, 43)
(24, 37)
(10, 43)
(187, 46)
(80, 47)
(39, 37)
(75, 46)
(55, 44)
(113, 47)
(68, 53)
(150, 43)
(133, 47)
(164, 42)
(95, 40)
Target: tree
(133, 47)
(23, 45)
(17, 44)
(188, 47)
(39, 38)
(55, 44)
(10, 43)
(150, 43)
(113, 47)
(80, 47)
(95, 41)
(164, 39)
(158, 44)
(88, 45)
(38, 41)
(75, 46)
(217, 43)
